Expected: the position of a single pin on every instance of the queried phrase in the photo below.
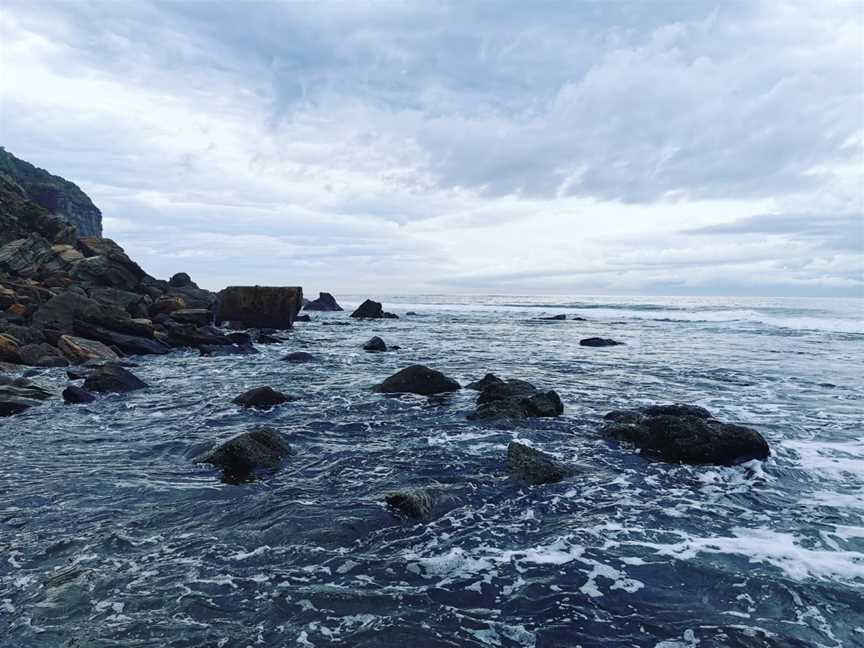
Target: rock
(181, 280)
(534, 467)
(79, 350)
(299, 356)
(302, 318)
(261, 398)
(25, 256)
(485, 381)
(556, 318)
(263, 338)
(410, 313)
(75, 395)
(241, 456)
(598, 342)
(259, 306)
(376, 344)
(418, 379)
(112, 378)
(42, 355)
(61, 312)
(101, 271)
(240, 338)
(325, 302)
(515, 399)
(10, 350)
(685, 434)
(168, 304)
(197, 316)
(19, 394)
(130, 344)
(226, 350)
(413, 502)
(372, 310)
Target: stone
(372, 310)
(75, 395)
(129, 344)
(181, 280)
(78, 350)
(685, 434)
(556, 318)
(302, 318)
(418, 379)
(261, 398)
(514, 399)
(599, 342)
(112, 378)
(243, 455)
(260, 306)
(42, 355)
(226, 350)
(197, 316)
(25, 256)
(299, 356)
(325, 302)
(413, 502)
(19, 394)
(529, 465)
(61, 312)
(10, 350)
(485, 381)
(168, 304)
(375, 345)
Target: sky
(663, 148)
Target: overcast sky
(515, 147)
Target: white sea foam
(835, 459)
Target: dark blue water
(111, 536)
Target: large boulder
(129, 344)
(24, 257)
(261, 398)
(375, 345)
(10, 349)
(514, 399)
(325, 302)
(418, 379)
(60, 312)
(79, 350)
(242, 456)
(685, 434)
(42, 355)
(529, 465)
(260, 306)
(112, 378)
(19, 394)
(372, 310)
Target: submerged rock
(299, 356)
(261, 398)
(599, 342)
(376, 344)
(413, 502)
(532, 466)
(514, 399)
(112, 378)
(685, 434)
(325, 302)
(370, 309)
(418, 379)
(241, 456)
(74, 395)
(555, 318)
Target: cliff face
(54, 194)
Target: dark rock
(61, 312)
(299, 356)
(325, 302)
(260, 306)
(42, 355)
(181, 280)
(411, 313)
(372, 310)
(74, 395)
(197, 316)
(515, 399)
(556, 318)
(10, 350)
(413, 502)
(168, 304)
(240, 338)
(534, 467)
(685, 434)
(242, 456)
(261, 398)
(19, 394)
(418, 379)
(79, 350)
(25, 256)
(579, 319)
(263, 338)
(598, 342)
(376, 344)
(111, 378)
(213, 350)
(302, 318)
(128, 344)
(485, 381)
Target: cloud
(453, 144)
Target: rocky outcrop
(685, 434)
(375, 345)
(372, 310)
(325, 302)
(261, 398)
(260, 306)
(599, 342)
(531, 466)
(242, 456)
(112, 379)
(418, 379)
(514, 399)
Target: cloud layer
(542, 147)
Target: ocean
(111, 536)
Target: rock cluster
(513, 399)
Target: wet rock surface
(529, 465)
(418, 379)
(261, 398)
(242, 456)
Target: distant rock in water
(243, 455)
(260, 306)
(514, 399)
(325, 302)
(76, 395)
(261, 398)
(529, 465)
(418, 379)
(53, 193)
(302, 318)
(685, 434)
(375, 345)
(111, 378)
(299, 356)
(484, 382)
(413, 502)
(556, 318)
(372, 310)
(599, 342)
